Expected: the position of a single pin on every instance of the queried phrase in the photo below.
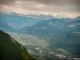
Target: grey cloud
(7, 2)
(57, 6)
(57, 2)
(49, 2)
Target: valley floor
(40, 49)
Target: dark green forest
(11, 49)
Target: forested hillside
(11, 49)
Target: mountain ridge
(6, 28)
(10, 49)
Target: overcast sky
(68, 8)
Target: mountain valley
(45, 37)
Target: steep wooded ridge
(11, 49)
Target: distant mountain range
(48, 26)
(10, 49)
(19, 21)
(7, 28)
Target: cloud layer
(56, 7)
